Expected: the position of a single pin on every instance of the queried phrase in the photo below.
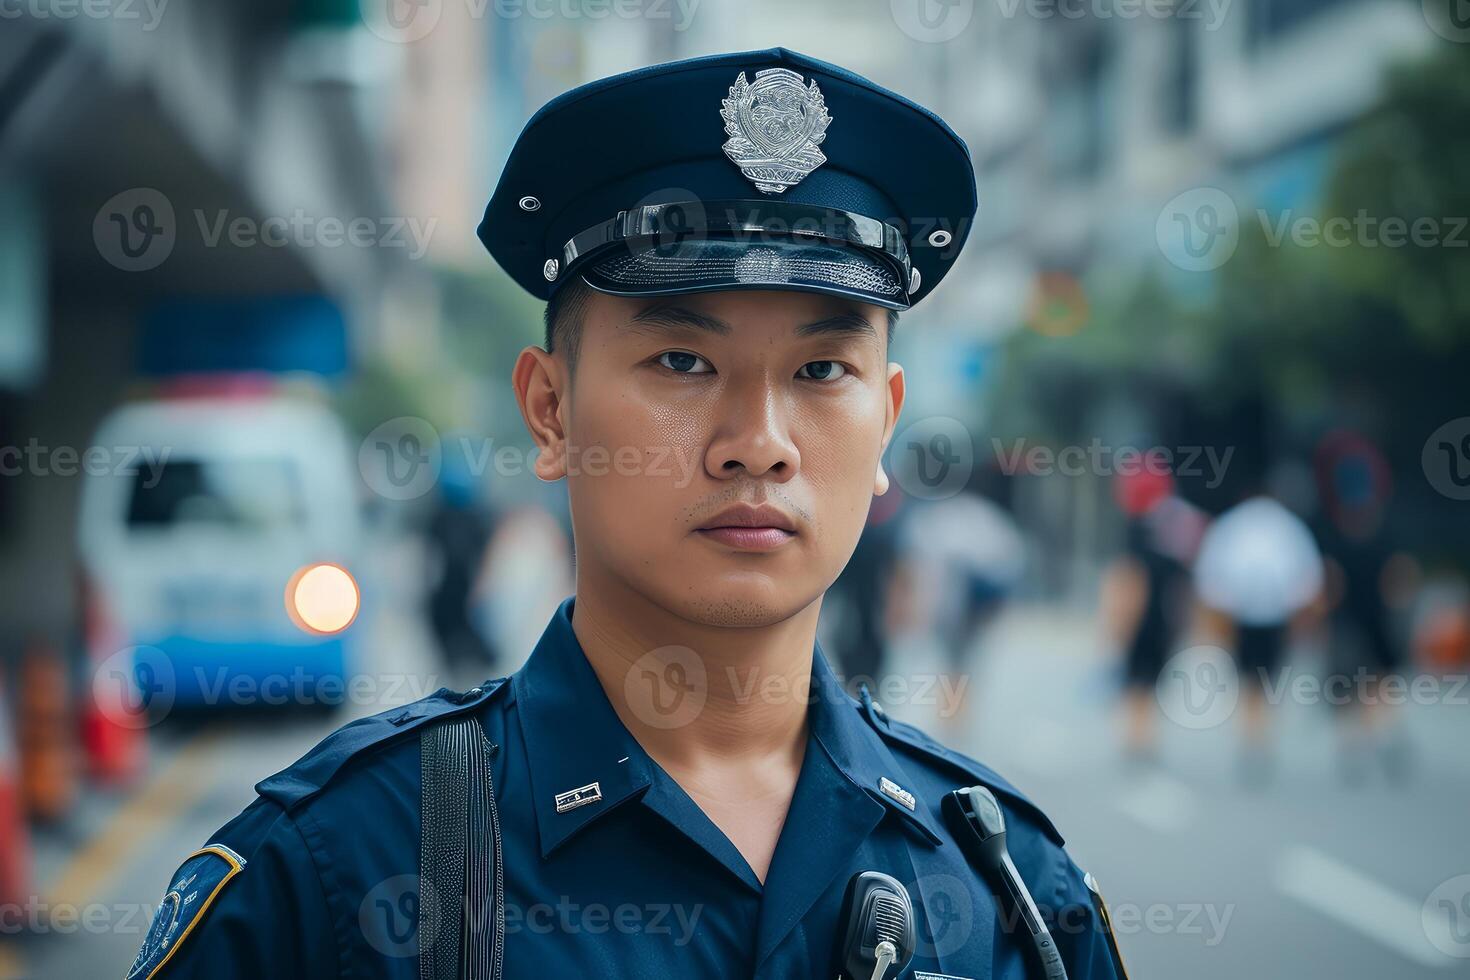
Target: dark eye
(683, 362)
(823, 370)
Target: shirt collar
(584, 762)
(860, 753)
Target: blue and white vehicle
(189, 549)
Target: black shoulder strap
(306, 777)
(462, 883)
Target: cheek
(630, 456)
(841, 444)
(620, 414)
(840, 456)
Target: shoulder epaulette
(964, 766)
(308, 775)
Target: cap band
(746, 222)
(694, 265)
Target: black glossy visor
(685, 247)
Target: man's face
(777, 404)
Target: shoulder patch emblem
(192, 890)
(1106, 922)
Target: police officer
(675, 784)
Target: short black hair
(567, 311)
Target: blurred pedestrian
(1260, 566)
(527, 571)
(1145, 591)
(457, 534)
(863, 594)
(1365, 573)
(962, 556)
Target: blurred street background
(1179, 537)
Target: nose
(753, 436)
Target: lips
(746, 527)
(748, 515)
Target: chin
(738, 598)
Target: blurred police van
(232, 484)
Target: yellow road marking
(12, 964)
(182, 782)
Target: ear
(539, 380)
(895, 386)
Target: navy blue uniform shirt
(319, 876)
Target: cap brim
(695, 265)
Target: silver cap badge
(775, 124)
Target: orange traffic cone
(47, 766)
(113, 733)
(15, 845)
(1444, 638)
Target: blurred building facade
(1085, 126)
(132, 138)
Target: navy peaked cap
(762, 169)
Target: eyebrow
(848, 322)
(666, 315)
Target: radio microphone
(880, 927)
(980, 827)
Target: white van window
(248, 493)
